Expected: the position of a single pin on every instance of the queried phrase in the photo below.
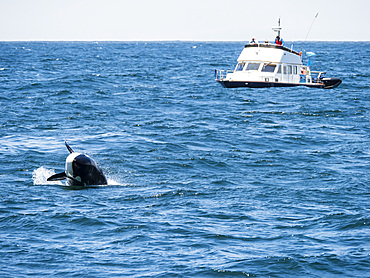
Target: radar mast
(277, 28)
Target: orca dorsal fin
(68, 147)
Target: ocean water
(203, 181)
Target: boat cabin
(268, 63)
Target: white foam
(113, 182)
(41, 175)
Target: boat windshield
(240, 67)
(253, 66)
(268, 68)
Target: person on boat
(279, 41)
(253, 41)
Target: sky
(188, 20)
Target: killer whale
(80, 170)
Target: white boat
(271, 65)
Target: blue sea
(203, 181)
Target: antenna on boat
(309, 30)
(277, 28)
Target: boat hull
(328, 83)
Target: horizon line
(180, 40)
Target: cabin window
(253, 66)
(240, 67)
(268, 68)
(289, 69)
(285, 70)
(279, 69)
(295, 70)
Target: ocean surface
(203, 181)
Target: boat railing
(317, 76)
(221, 74)
(272, 45)
(313, 77)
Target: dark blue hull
(328, 83)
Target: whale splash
(41, 174)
